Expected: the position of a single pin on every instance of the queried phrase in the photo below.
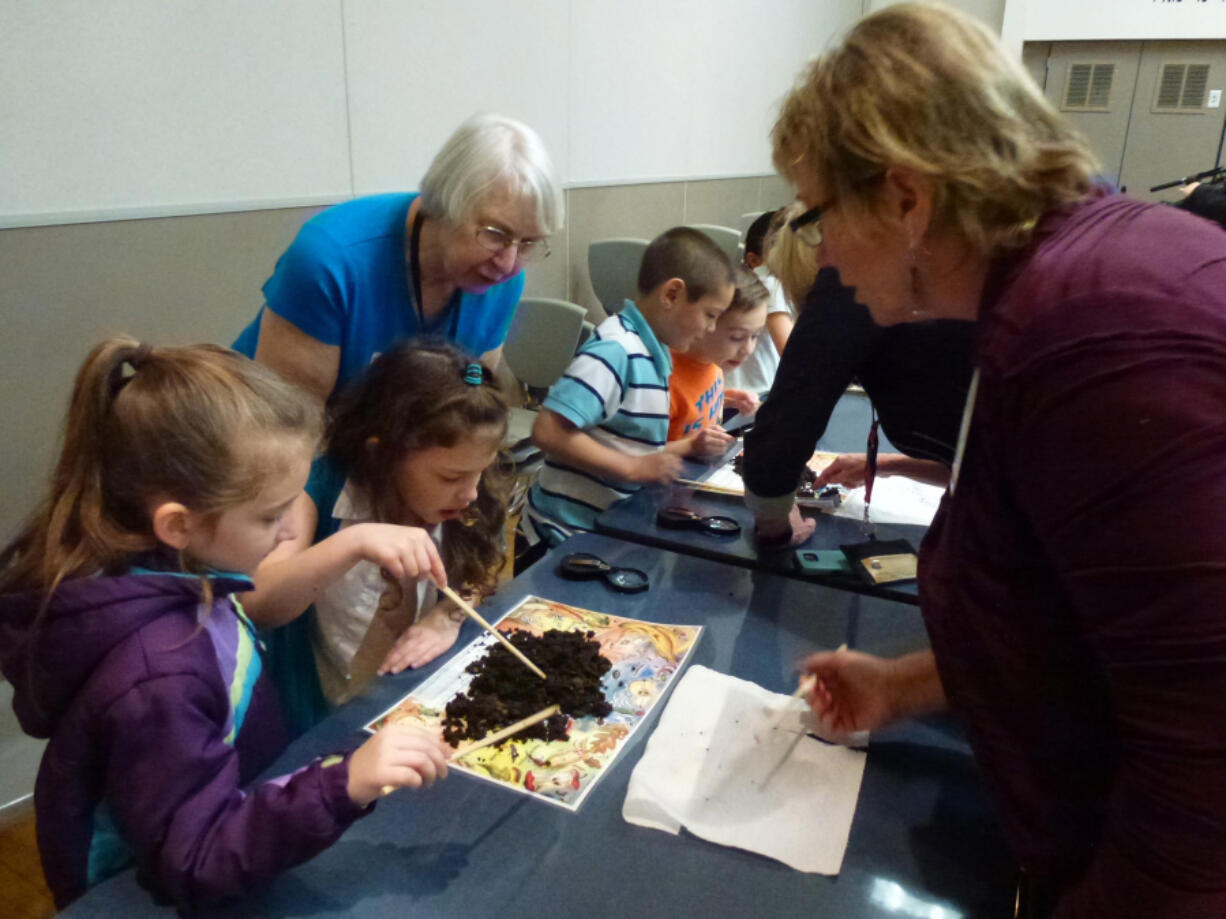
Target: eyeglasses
(807, 227)
(583, 566)
(526, 249)
(675, 517)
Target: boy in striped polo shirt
(604, 424)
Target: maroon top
(1075, 585)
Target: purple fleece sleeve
(172, 785)
(1121, 444)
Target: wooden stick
(506, 732)
(706, 486)
(476, 617)
(807, 682)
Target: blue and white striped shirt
(616, 391)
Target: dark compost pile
(503, 690)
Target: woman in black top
(915, 373)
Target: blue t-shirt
(345, 281)
(616, 391)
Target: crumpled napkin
(780, 793)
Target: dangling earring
(917, 294)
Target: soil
(503, 690)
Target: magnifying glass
(582, 566)
(675, 517)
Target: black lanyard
(453, 305)
(870, 463)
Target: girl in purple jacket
(127, 649)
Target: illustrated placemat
(646, 657)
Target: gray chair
(540, 344)
(542, 339)
(743, 222)
(726, 238)
(613, 266)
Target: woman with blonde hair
(916, 376)
(1073, 582)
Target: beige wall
(170, 280)
(184, 279)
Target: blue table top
(635, 519)
(924, 836)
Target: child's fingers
(422, 752)
(421, 653)
(414, 763)
(417, 653)
(403, 777)
(435, 564)
(407, 743)
(398, 657)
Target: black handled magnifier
(582, 566)
(682, 518)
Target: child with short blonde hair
(696, 387)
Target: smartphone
(829, 561)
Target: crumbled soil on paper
(504, 691)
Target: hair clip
(474, 374)
(125, 369)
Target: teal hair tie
(474, 374)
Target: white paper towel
(713, 766)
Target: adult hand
(405, 553)
(854, 692)
(711, 441)
(398, 756)
(425, 639)
(847, 469)
(657, 467)
(742, 400)
(793, 531)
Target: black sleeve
(917, 377)
(832, 338)
(1207, 200)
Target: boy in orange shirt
(696, 387)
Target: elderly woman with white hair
(447, 262)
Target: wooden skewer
(707, 486)
(477, 618)
(807, 682)
(506, 732)
(465, 749)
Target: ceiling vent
(1088, 87)
(1182, 89)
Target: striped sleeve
(593, 386)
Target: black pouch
(882, 561)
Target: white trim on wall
(1113, 20)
